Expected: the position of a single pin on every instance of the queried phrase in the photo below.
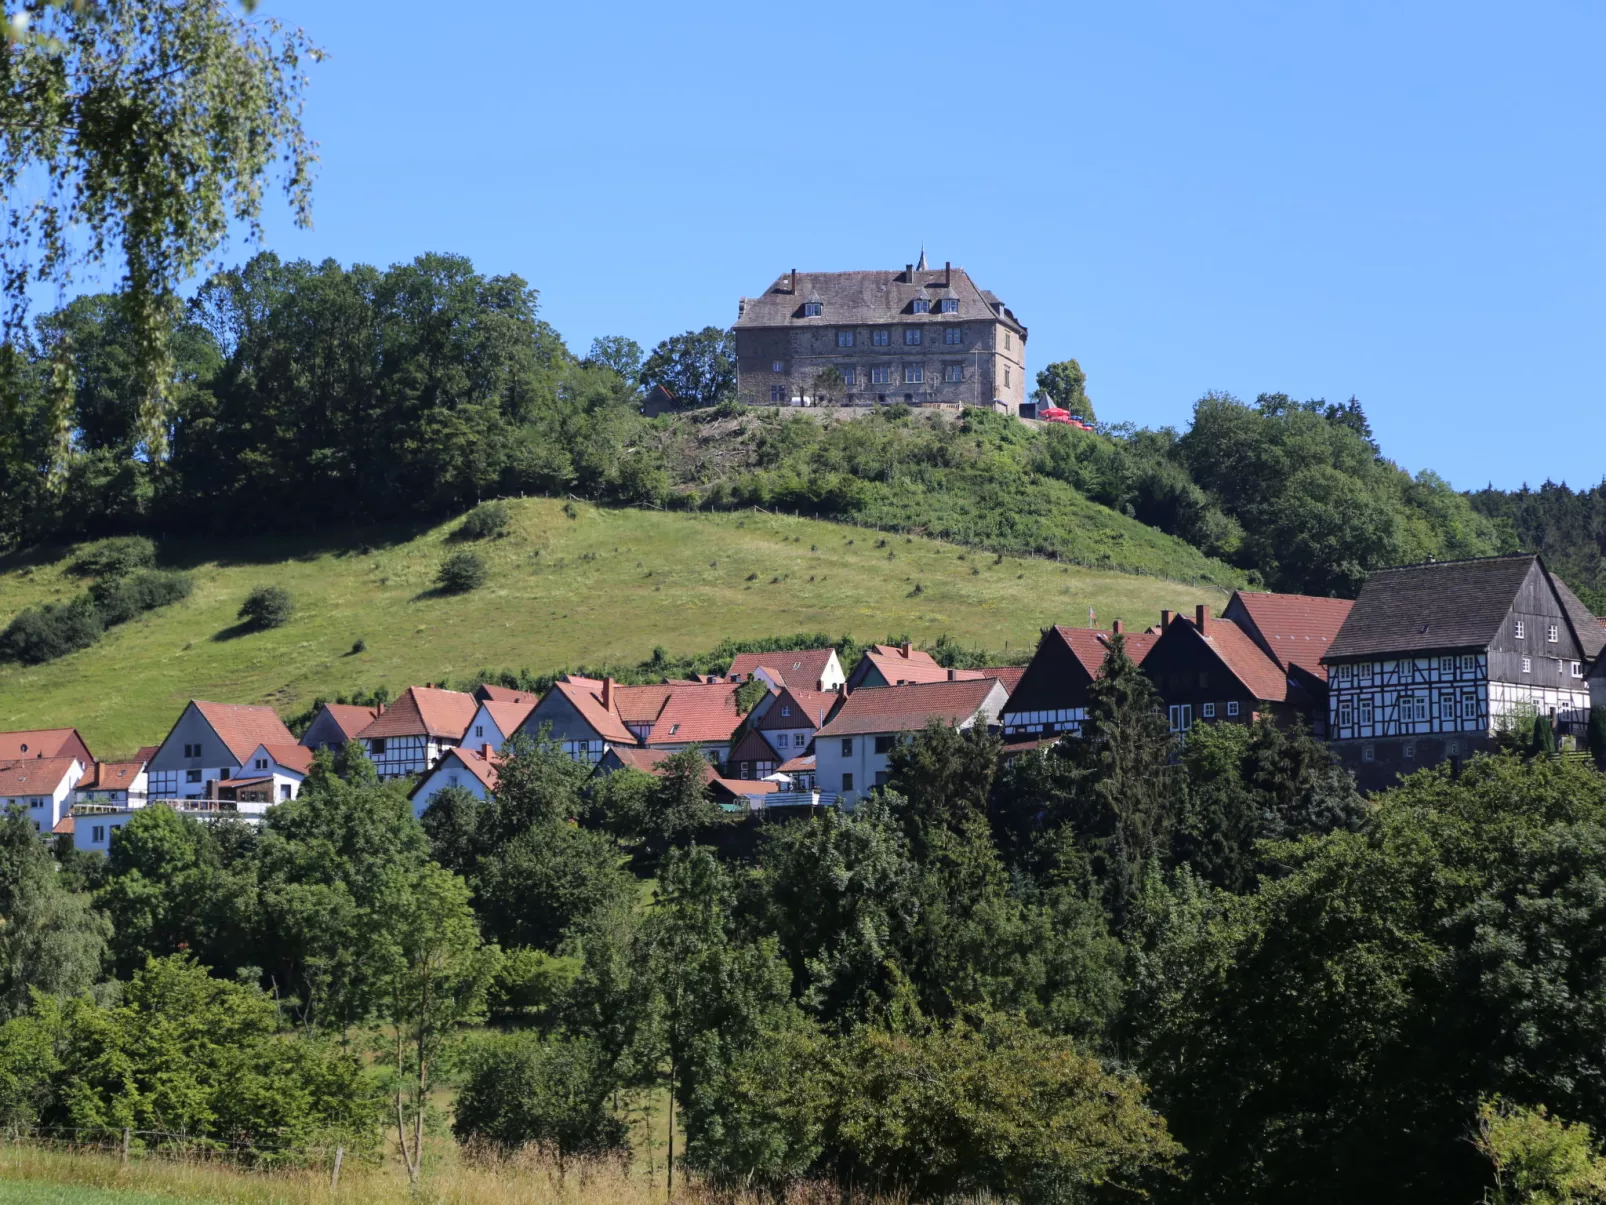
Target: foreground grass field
(571, 586)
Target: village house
(1207, 669)
(273, 772)
(808, 669)
(1435, 659)
(411, 734)
(895, 665)
(789, 723)
(44, 742)
(471, 769)
(852, 750)
(208, 743)
(496, 721)
(1295, 631)
(588, 716)
(918, 336)
(337, 723)
(582, 716)
(116, 783)
(41, 786)
(1051, 698)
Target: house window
(1527, 665)
(192, 776)
(787, 710)
(948, 305)
(1368, 753)
(1006, 376)
(777, 366)
(1343, 671)
(844, 338)
(1447, 664)
(913, 374)
(1551, 634)
(847, 746)
(1469, 704)
(1521, 631)
(1346, 713)
(1446, 707)
(1469, 662)
(284, 791)
(192, 751)
(920, 306)
(880, 338)
(262, 763)
(451, 779)
(1413, 708)
(1364, 711)
(911, 336)
(880, 778)
(1007, 343)
(1181, 717)
(479, 729)
(1410, 749)
(811, 309)
(879, 375)
(847, 374)
(777, 393)
(1208, 711)
(799, 740)
(883, 744)
(847, 782)
(1452, 749)
(97, 835)
(953, 336)
(1232, 708)
(1578, 669)
(953, 373)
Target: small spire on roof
(921, 266)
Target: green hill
(604, 585)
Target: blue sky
(1402, 202)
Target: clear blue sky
(1403, 202)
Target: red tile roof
(1263, 677)
(507, 715)
(753, 747)
(291, 757)
(1009, 675)
(908, 708)
(585, 696)
(1091, 646)
(797, 765)
(648, 761)
(704, 713)
(798, 667)
(242, 727)
(110, 776)
(425, 711)
(34, 775)
(640, 704)
(504, 694)
(64, 825)
(146, 752)
(896, 666)
(1298, 627)
(36, 742)
(350, 718)
(809, 708)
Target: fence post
(334, 1180)
(124, 1160)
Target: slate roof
(34, 775)
(870, 297)
(908, 708)
(809, 709)
(36, 742)
(1439, 605)
(1591, 636)
(244, 726)
(1299, 628)
(424, 711)
(799, 667)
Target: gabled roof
(1591, 638)
(1262, 676)
(808, 708)
(243, 726)
(797, 765)
(65, 825)
(507, 715)
(799, 667)
(110, 776)
(1439, 605)
(34, 775)
(290, 757)
(585, 696)
(36, 742)
(898, 666)
(1297, 629)
(704, 712)
(752, 747)
(481, 767)
(645, 760)
(908, 708)
(850, 298)
(486, 693)
(425, 711)
(1008, 675)
(145, 753)
(1091, 646)
(641, 704)
(348, 717)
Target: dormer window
(948, 305)
(811, 309)
(922, 306)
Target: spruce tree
(1597, 735)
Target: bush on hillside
(119, 599)
(462, 572)
(484, 521)
(116, 557)
(267, 607)
(524, 1090)
(53, 630)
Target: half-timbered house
(1295, 631)
(410, 735)
(805, 669)
(1435, 659)
(1207, 669)
(793, 717)
(337, 723)
(1050, 698)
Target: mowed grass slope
(602, 586)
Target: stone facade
(921, 336)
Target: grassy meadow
(570, 584)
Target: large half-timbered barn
(1051, 698)
(1435, 659)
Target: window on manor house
(953, 373)
(880, 338)
(913, 374)
(1527, 665)
(1552, 634)
(911, 336)
(777, 393)
(1578, 669)
(1006, 376)
(953, 335)
(844, 338)
(1469, 704)
(1346, 713)
(1446, 706)
(948, 305)
(847, 374)
(1363, 710)
(811, 309)
(879, 375)
(777, 366)
(921, 306)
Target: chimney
(947, 274)
(909, 272)
(1165, 620)
(953, 675)
(1201, 617)
(1115, 628)
(794, 280)
(905, 648)
(607, 694)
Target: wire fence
(127, 1144)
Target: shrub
(524, 1090)
(116, 557)
(462, 572)
(484, 521)
(53, 630)
(119, 599)
(267, 607)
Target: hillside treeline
(318, 396)
(1206, 972)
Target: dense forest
(1207, 971)
(315, 396)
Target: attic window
(674, 728)
(948, 305)
(921, 306)
(785, 711)
(811, 309)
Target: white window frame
(914, 374)
(1232, 707)
(1578, 669)
(911, 336)
(1207, 711)
(1346, 713)
(953, 336)
(1181, 716)
(844, 338)
(1521, 630)
(1552, 634)
(880, 374)
(849, 374)
(1365, 712)
(1527, 665)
